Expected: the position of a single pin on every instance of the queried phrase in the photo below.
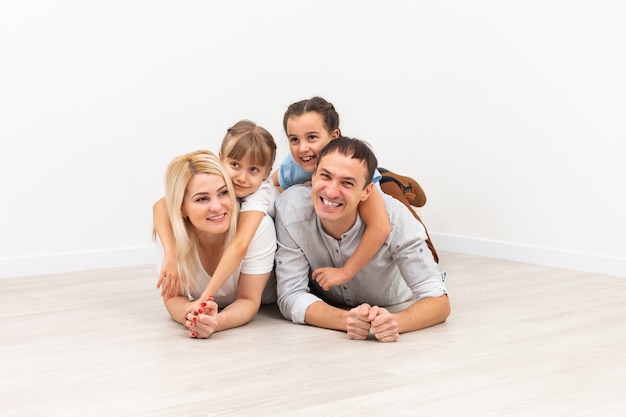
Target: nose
(240, 176)
(214, 205)
(303, 147)
(332, 189)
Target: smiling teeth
(307, 158)
(220, 217)
(330, 204)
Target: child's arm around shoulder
(169, 277)
(276, 182)
(374, 214)
(234, 253)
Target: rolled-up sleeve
(295, 220)
(414, 258)
(292, 277)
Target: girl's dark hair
(317, 105)
(355, 149)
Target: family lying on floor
(311, 237)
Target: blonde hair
(179, 172)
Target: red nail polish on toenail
(195, 319)
(200, 310)
(203, 304)
(210, 298)
(193, 334)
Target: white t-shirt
(262, 199)
(258, 260)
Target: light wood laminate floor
(522, 340)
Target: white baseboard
(76, 261)
(530, 254)
(118, 258)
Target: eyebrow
(202, 193)
(353, 179)
(306, 133)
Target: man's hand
(384, 324)
(358, 323)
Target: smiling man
(399, 290)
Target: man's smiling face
(338, 186)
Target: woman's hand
(197, 306)
(203, 321)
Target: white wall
(509, 114)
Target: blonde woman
(203, 211)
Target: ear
(219, 154)
(335, 134)
(367, 192)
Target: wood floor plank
(522, 340)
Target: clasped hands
(201, 318)
(365, 319)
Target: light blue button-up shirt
(403, 269)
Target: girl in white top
(203, 213)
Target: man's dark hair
(355, 149)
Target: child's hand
(329, 277)
(169, 278)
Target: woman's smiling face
(207, 204)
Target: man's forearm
(424, 313)
(320, 314)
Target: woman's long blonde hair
(179, 172)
